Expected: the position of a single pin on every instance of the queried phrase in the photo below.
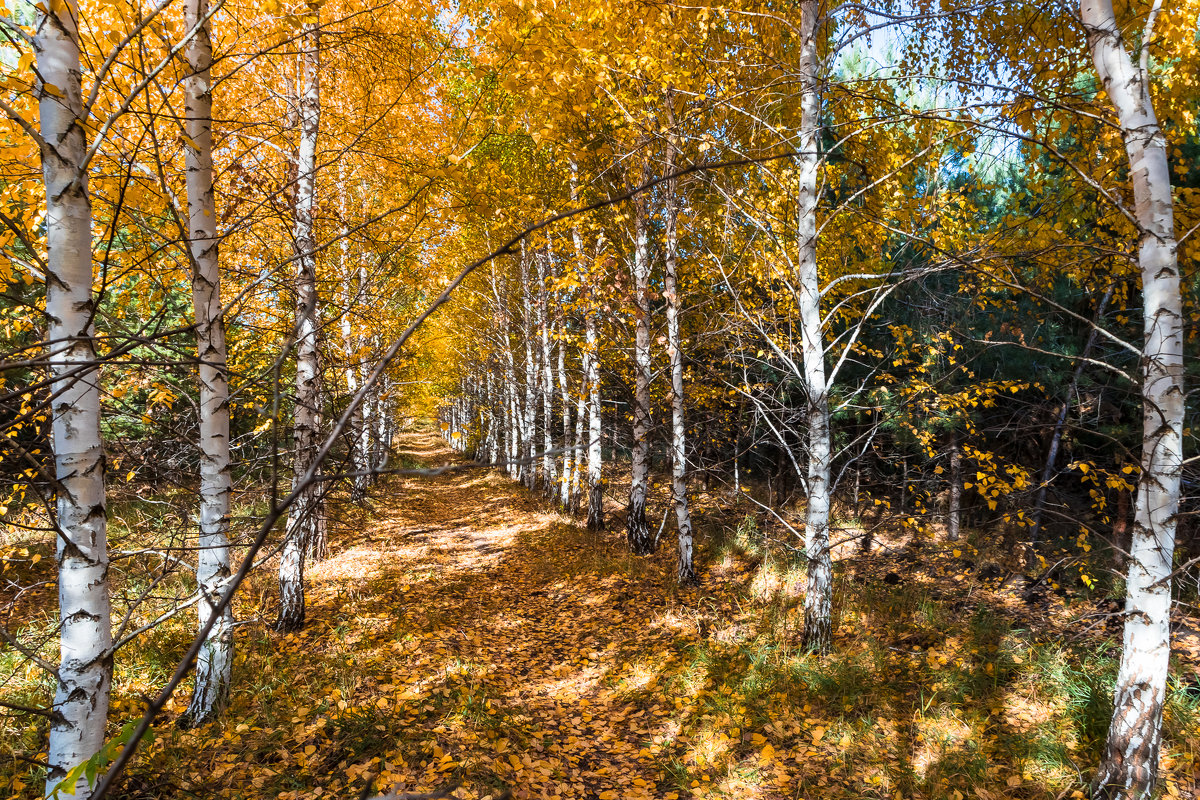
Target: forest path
(463, 632)
(501, 636)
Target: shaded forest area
(539, 399)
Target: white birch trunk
(85, 637)
(569, 480)
(529, 468)
(585, 378)
(515, 431)
(359, 458)
(306, 523)
(384, 424)
(373, 424)
(549, 480)
(367, 411)
(686, 569)
(214, 663)
(581, 407)
(954, 505)
(595, 453)
(637, 530)
(509, 397)
(496, 404)
(818, 600)
(1130, 763)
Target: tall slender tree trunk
(214, 663)
(376, 422)
(818, 601)
(1060, 421)
(595, 453)
(306, 519)
(497, 413)
(581, 406)
(686, 570)
(549, 480)
(85, 633)
(1130, 763)
(567, 484)
(508, 386)
(528, 425)
(636, 528)
(589, 390)
(514, 430)
(489, 450)
(385, 423)
(516, 423)
(367, 410)
(360, 463)
(954, 505)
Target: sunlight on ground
(461, 633)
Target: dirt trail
(509, 630)
(464, 633)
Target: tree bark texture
(306, 519)
(1130, 763)
(641, 541)
(529, 424)
(85, 638)
(686, 568)
(568, 481)
(214, 663)
(549, 479)
(818, 601)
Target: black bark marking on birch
(636, 528)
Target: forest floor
(463, 632)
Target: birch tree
(686, 570)
(356, 432)
(588, 407)
(549, 480)
(637, 530)
(566, 483)
(306, 519)
(595, 455)
(85, 635)
(1130, 762)
(214, 664)
(818, 599)
(529, 421)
